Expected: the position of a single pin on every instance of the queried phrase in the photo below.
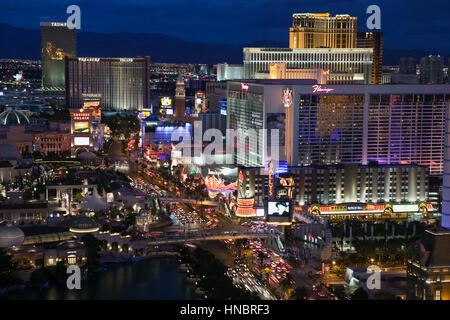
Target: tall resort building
(373, 40)
(332, 124)
(57, 42)
(351, 61)
(321, 30)
(121, 83)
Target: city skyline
(406, 24)
(312, 164)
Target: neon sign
(81, 116)
(166, 101)
(271, 172)
(287, 98)
(318, 89)
(89, 59)
(244, 87)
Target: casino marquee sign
(367, 208)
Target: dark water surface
(154, 279)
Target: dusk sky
(407, 24)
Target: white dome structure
(83, 224)
(13, 117)
(10, 236)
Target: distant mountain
(23, 43)
(19, 43)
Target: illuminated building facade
(331, 124)
(445, 219)
(52, 142)
(373, 40)
(86, 131)
(199, 102)
(428, 272)
(57, 42)
(121, 83)
(428, 260)
(278, 70)
(351, 60)
(344, 191)
(320, 30)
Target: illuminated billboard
(369, 208)
(245, 208)
(81, 116)
(81, 141)
(81, 127)
(144, 114)
(278, 208)
(279, 212)
(166, 102)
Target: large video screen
(278, 209)
(81, 141)
(279, 212)
(81, 127)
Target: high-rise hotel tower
(320, 30)
(57, 42)
(121, 83)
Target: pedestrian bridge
(207, 236)
(188, 200)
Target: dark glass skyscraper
(373, 40)
(57, 42)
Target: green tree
(60, 271)
(6, 265)
(93, 248)
(40, 276)
(286, 286)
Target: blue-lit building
(155, 131)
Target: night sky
(407, 24)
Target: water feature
(152, 279)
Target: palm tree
(286, 286)
(267, 272)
